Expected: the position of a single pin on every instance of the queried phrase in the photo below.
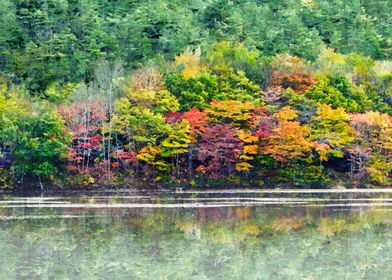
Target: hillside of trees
(195, 93)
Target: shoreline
(108, 191)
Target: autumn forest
(195, 93)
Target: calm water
(203, 235)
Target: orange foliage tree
(288, 138)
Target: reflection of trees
(229, 242)
(225, 214)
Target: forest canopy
(245, 92)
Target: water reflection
(214, 236)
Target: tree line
(220, 115)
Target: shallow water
(197, 235)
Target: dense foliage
(117, 92)
(45, 42)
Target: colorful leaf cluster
(209, 117)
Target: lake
(237, 234)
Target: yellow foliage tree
(331, 130)
(249, 150)
(190, 61)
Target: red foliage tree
(85, 124)
(197, 120)
(218, 150)
(264, 127)
(124, 159)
